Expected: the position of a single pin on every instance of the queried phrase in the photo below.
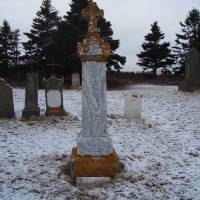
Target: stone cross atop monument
(93, 14)
(93, 47)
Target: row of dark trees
(158, 55)
(53, 39)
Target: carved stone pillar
(94, 139)
(94, 155)
(31, 97)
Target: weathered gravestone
(192, 71)
(54, 96)
(133, 105)
(31, 96)
(192, 65)
(94, 155)
(75, 80)
(6, 100)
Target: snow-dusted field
(161, 154)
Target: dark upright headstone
(54, 96)
(192, 71)
(31, 97)
(192, 65)
(6, 100)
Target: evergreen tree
(39, 47)
(5, 46)
(78, 31)
(66, 49)
(15, 48)
(155, 54)
(190, 37)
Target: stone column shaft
(31, 96)
(94, 139)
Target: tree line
(9, 47)
(53, 40)
(158, 55)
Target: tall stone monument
(6, 100)
(192, 71)
(31, 96)
(94, 155)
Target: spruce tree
(189, 37)
(78, 32)
(39, 47)
(66, 49)
(156, 54)
(15, 47)
(5, 46)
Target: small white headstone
(133, 105)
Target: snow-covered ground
(161, 154)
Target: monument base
(27, 113)
(55, 112)
(190, 86)
(92, 166)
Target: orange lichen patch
(54, 110)
(93, 166)
(93, 14)
(92, 10)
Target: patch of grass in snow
(34, 120)
(63, 170)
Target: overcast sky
(130, 19)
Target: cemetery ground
(161, 153)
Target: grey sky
(130, 19)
